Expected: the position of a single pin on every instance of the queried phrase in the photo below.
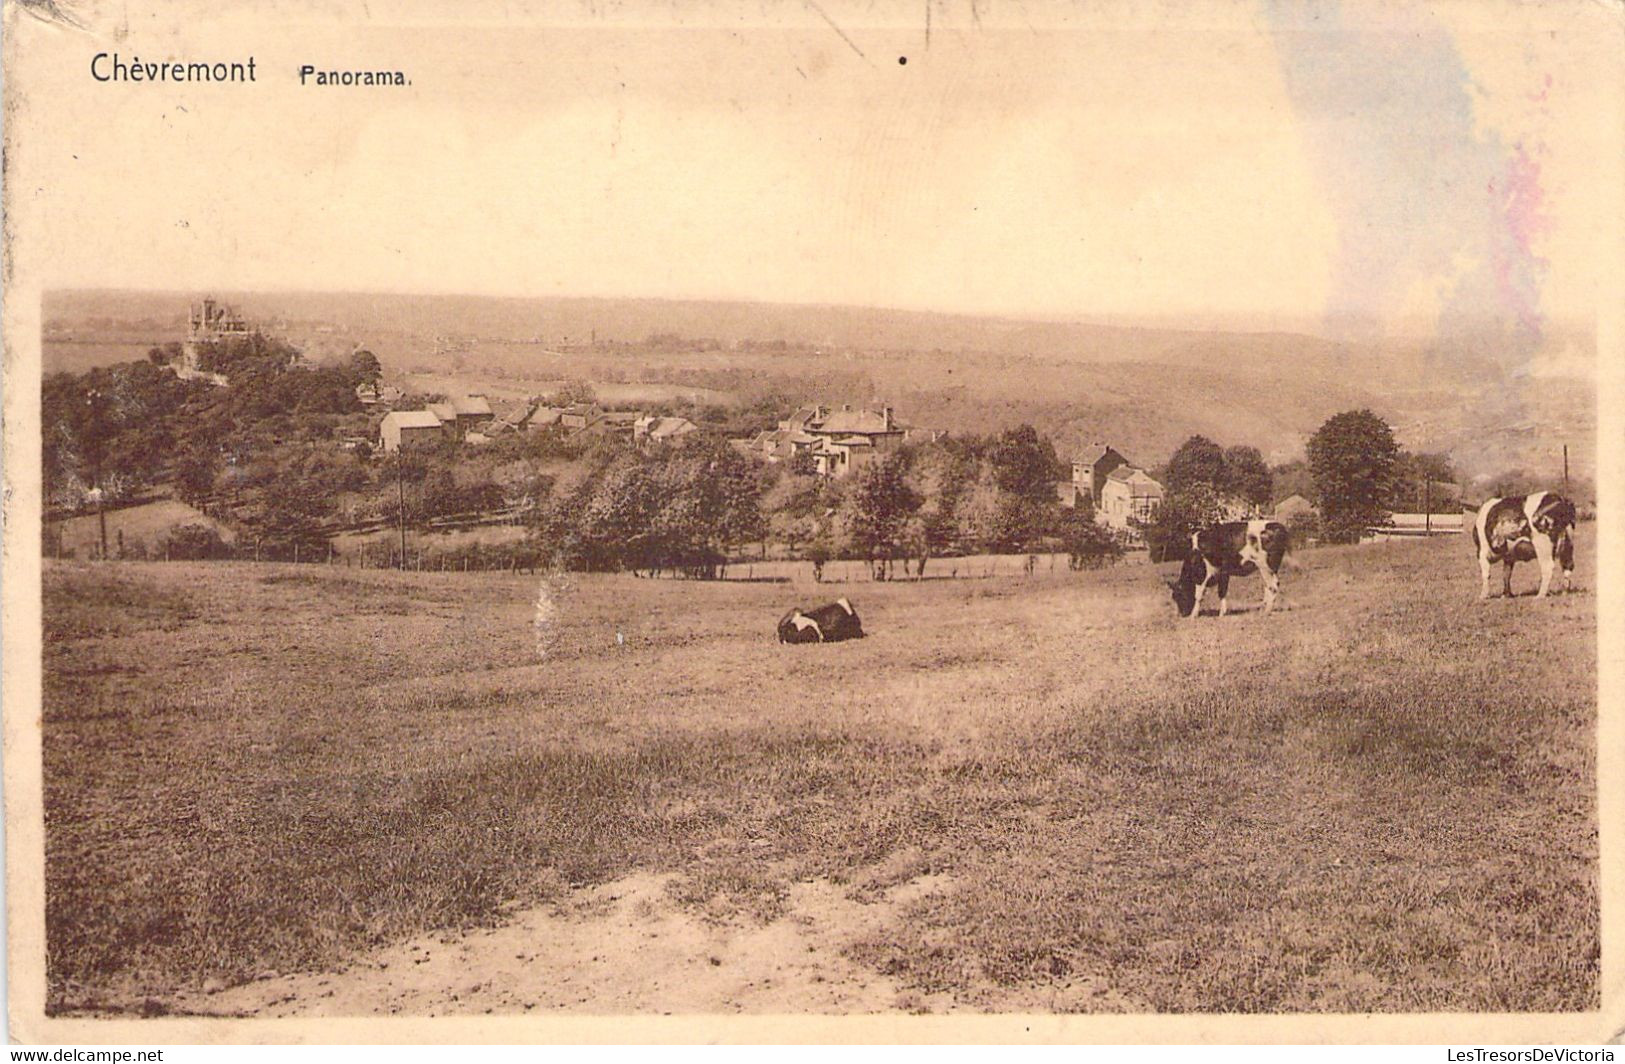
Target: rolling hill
(1142, 388)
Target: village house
(652, 429)
(578, 416)
(1117, 490)
(510, 415)
(409, 429)
(1291, 507)
(1128, 494)
(544, 418)
(1089, 473)
(838, 441)
(371, 394)
(620, 422)
(781, 443)
(461, 414)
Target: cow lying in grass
(1234, 548)
(1525, 528)
(829, 623)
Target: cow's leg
(1224, 594)
(1506, 577)
(1272, 586)
(1484, 571)
(1201, 589)
(1543, 556)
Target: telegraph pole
(98, 491)
(400, 491)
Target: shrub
(193, 542)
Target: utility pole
(1565, 469)
(1427, 506)
(101, 495)
(400, 490)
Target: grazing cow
(1525, 528)
(1234, 548)
(829, 623)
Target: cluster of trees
(688, 508)
(250, 447)
(1354, 459)
(259, 454)
(677, 508)
(952, 496)
(113, 429)
(1204, 483)
(1355, 473)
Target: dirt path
(624, 947)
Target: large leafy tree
(364, 367)
(1423, 479)
(1353, 458)
(1247, 475)
(939, 476)
(1024, 464)
(1197, 461)
(879, 507)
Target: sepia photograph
(884, 514)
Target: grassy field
(144, 525)
(1382, 799)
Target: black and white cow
(1525, 528)
(1234, 548)
(829, 623)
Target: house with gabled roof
(408, 429)
(578, 416)
(838, 441)
(1293, 506)
(1090, 470)
(1119, 492)
(1128, 494)
(654, 429)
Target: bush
(193, 542)
(1304, 528)
(1089, 545)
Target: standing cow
(1525, 528)
(829, 623)
(1234, 548)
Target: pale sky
(1277, 164)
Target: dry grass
(1381, 800)
(144, 525)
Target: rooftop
(847, 422)
(471, 405)
(413, 419)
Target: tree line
(260, 455)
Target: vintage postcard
(835, 521)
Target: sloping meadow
(1382, 799)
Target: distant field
(77, 356)
(609, 393)
(143, 526)
(1355, 805)
(348, 544)
(1145, 388)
